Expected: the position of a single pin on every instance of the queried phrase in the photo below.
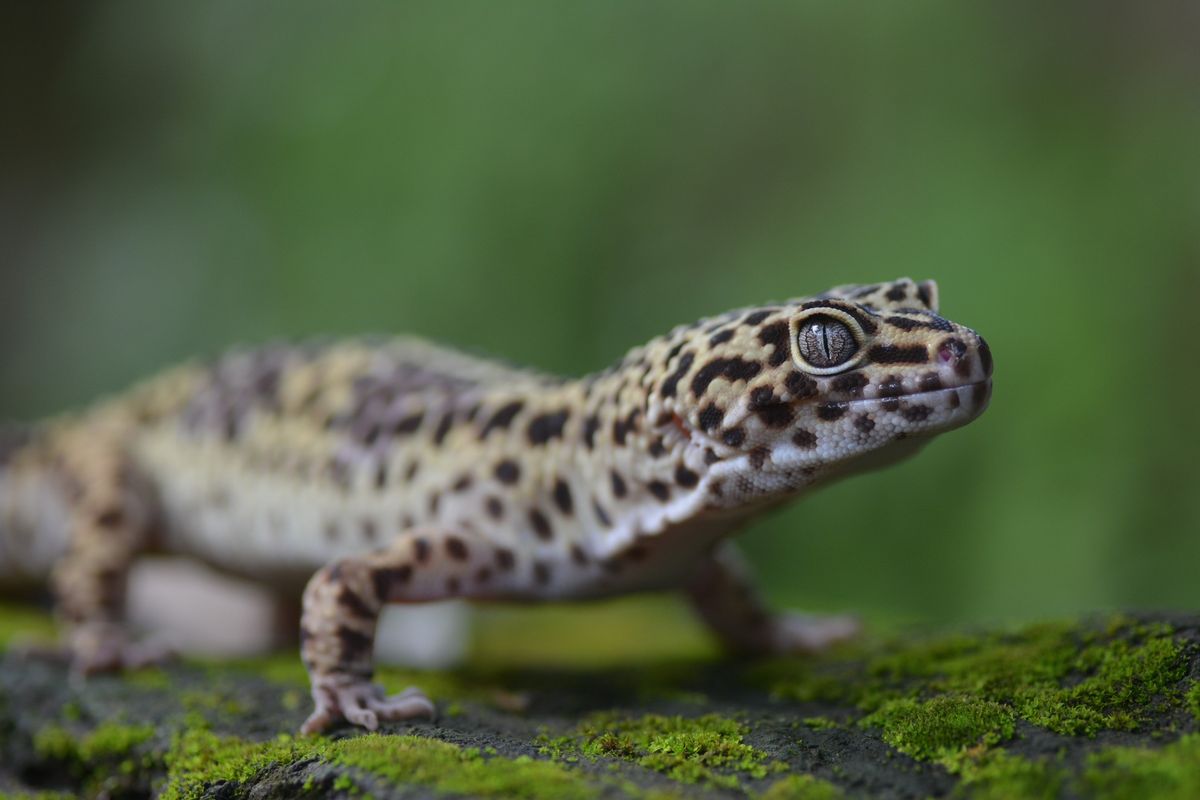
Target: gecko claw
(361, 703)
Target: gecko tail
(32, 516)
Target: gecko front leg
(724, 596)
(109, 518)
(342, 604)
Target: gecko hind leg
(341, 609)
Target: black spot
(710, 456)
(443, 428)
(387, 578)
(541, 525)
(733, 369)
(930, 382)
(110, 518)
(453, 584)
(891, 386)
(590, 426)
(851, 383)
(508, 472)
(671, 382)
(502, 418)
(890, 404)
(657, 450)
(864, 423)
(917, 413)
(421, 549)
(483, 575)
(831, 411)
(979, 394)
(710, 417)
(904, 323)
(756, 317)
(619, 432)
(804, 439)
(354, 645)
(578, 555)
(618, 484)
(924, 295)
(954, 401)
(893, 354)
(985, 356)
(800, 386)
(897, 293)
(494, 507)
(636, 553)
(759, 456)
(505, 558)
(685, 477)
(545, 427)
(660, 490)
(349, 600)
(562, 497)
(776, 334)
(601, 514)
(462, 484)
(408, 424)
(720, 337)
(541, 573)
(771, 410)
(410, 471)
(734, 436)
(456, 548)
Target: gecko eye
(825, 342)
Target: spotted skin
(361, 473)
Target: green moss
(448, 768)
(819, 723)
(801, 787)
(107, 742)
(997, 775)
(18, 622)
(1130, 773)
(103, 760)
(1193, 700)
(1052, 675)
(199, 759)
(708, 750)
(943, 727)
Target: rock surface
(1103, 708)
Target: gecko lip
(979, 392)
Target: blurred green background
(554, 183)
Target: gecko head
(857, 377)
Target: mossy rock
(1103, 708)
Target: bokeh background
(554, 183)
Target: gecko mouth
(968, 395)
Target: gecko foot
(362, 703)
(806, 634)
(107, 647)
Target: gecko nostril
(951, 350)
